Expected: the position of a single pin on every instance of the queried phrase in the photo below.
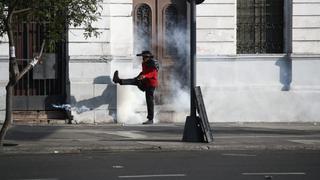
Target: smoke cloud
(131, 101)
(175, 77)
(68, 107)
(131, 105)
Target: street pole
(192, 130)
(193, 64)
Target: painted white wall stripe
(153, 176)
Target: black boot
(148, 122)
(116, 78)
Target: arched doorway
(160, 26)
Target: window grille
(259, 26)
(143, 28)
(171, 21)
(28, 40)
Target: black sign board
(204, 122)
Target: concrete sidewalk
(159, 137)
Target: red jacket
(150, 74)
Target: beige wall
(4, 74)
(216, 27)
(306, 27)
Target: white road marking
(307, 141)
(117, 167)
(41, 179)
(240, 155)
(129, 134)
(274, 173)
(263, 136)
(152, 176)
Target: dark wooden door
(171, 46)
(46, 83)
(160, 26)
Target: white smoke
(179, 98)
(131, 106)
(68, 107)
(130, 100)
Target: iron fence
(259, 26)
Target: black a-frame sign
(204, 122)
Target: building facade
(257, 61)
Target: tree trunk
(9, 91)
(14, 78)
(13, 73)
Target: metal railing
(28, 39)
(259, 26)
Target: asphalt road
(187, 165)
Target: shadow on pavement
(30, 133)
(236, 130)
(142, 140)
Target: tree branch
(11, 9)
(21, 11)
(14, 70)
(32, 63)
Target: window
(160, 26)
(259, 26)
(143, 28)
(171, 21)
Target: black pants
(149, 93)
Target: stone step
(164, 114)
(39, 117)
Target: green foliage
(2, 17)
(54, 15)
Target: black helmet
(145, 53)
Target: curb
(159, 148)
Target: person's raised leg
(116, 80)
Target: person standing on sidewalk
(146, 81)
